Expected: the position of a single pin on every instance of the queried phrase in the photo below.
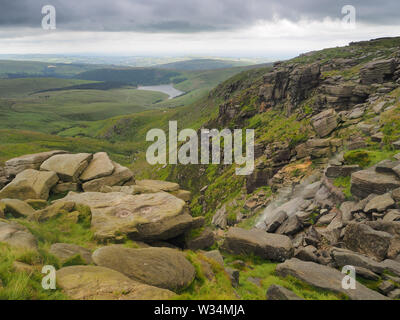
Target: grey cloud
(186, 15)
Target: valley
(77, 192)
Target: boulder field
(312, 232)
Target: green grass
(344, 184)
(368, 157)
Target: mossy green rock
(161, 267)
(99, 283)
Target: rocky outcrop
(325, 278)
(99, 283)
(265, 245)
(293, 84)
(30, 184)
(160, 267)
(154, 216)
(378, 71)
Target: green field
(33, 119)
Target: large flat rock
(366, 182)
(119, 176)
(153, 216)
(30, 184)
(158, 185)
(269, 246)
(160, 267)
(28, 161)
(345, 257)
(99, 283)
(67, 166)
(325, 278)
(100, 166)
(16, 235)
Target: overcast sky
(252, 28)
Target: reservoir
(164, 88)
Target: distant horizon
(175, 57)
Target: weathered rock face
(266, 245)
(120, 175)
(157, 216)
(160, 267)
(324, 278)
(342, 94)
(378, 71)
(17, 208)
(16, 235)
(325, 122)
(362, 238)
(67, 166)
(341, 171)
(100, 166)
(30, 184)
(99, 283)
(29, 161)
(366, 182)
(276, 292)
(205, 240)
(65, 251)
